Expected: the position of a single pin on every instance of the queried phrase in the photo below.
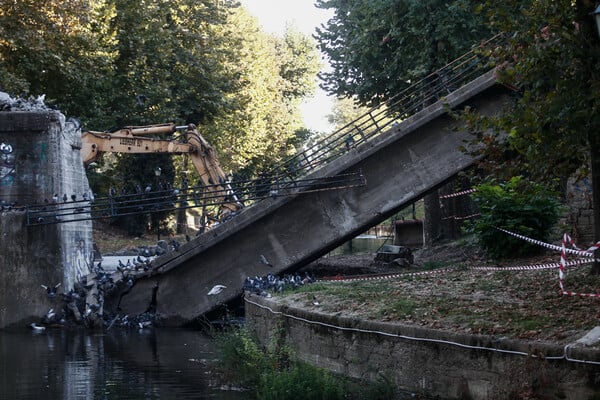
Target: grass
(519, 304)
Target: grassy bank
(522, 303)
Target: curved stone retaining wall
(427, 361)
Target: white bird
(216, 289)
(264, 260)
(37, 328)
(315, 301)
(50, 314)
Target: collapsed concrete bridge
(403, 150)
(401, 164)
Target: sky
(274, 16)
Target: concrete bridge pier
(39, 158)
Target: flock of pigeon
(84, 304)
(265, 285)
(79, 309)
(268, 284)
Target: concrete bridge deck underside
(400, 167)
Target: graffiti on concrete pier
(7, 164)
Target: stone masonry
(428, 361)
(39, 159)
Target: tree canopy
(113, 63)
(377, 47)
(551, 57)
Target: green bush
(274, 373)
(519, 206)
(300, 381)
(241, 360)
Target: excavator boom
(132, 140)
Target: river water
(146, 364)
(119, 364)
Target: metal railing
(125, 204)
(378, 119)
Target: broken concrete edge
(573, 351)
(253, 213)
(28, 121)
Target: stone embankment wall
(426, 361)
(580, 214)
(39, 158)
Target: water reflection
(363, 244)
(150, 364)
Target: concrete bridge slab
(400, 167)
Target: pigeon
(315, 301)
(51, 290)
(264, 260)
(141, 99)
(216, 290)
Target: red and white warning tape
(380, 277)
(457, 218)
(529, 267)
(588, 257)
(468, 191)
(582, 253)
(533, 266)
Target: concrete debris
(8, 103)
(591, 338)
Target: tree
(344, 111)
(272, 75)
(378, 47)
(552, 56)
(57, 48)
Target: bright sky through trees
(274, 16)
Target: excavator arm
(132, 140)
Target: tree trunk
(594, 141)
(433, 218)
(181, 220)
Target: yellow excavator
(142, 139)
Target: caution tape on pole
(563, 263)
(587, 254)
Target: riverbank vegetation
(274, 373)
